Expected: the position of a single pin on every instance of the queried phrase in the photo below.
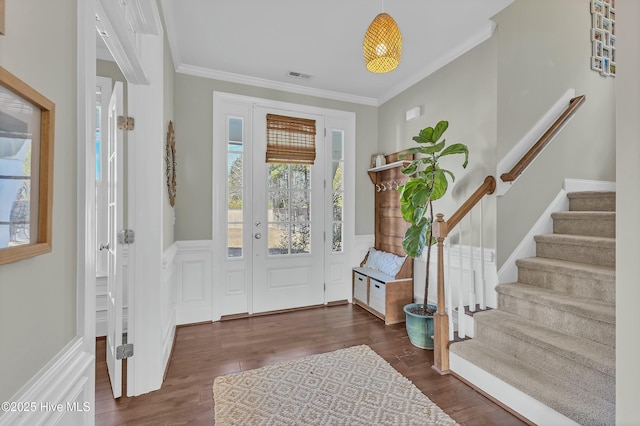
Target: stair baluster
(442, 319)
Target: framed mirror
(26, 169)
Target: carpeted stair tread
(583, 270)
(587, 308)
(588, 353)
(592, 201)
(580, 279)
(588, 223)
(577, 240)
(577, 248)
(564, 397)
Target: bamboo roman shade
(290, 140)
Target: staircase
(552, 337)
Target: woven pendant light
(382, 45)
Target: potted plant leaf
(428, 182)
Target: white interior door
(287, 224)
(114, 254)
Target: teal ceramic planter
(419, 327)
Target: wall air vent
(297, 74)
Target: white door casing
(233, 284)
(112, 247)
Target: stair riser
(593, 287)
(564, 321)
(593, 204)
(603, 256)
(586, 227)
(590, 379)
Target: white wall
(628, 210)
(38, 295)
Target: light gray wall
(628, 210)
(169, 74)
(194, 138)
(544, 48)
(38, 295)
(463, 93)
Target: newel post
(440, 320)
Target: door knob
(258, 236)
(104, 247)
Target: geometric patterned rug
(352, 386)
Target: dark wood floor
(205, 351)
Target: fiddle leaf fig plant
(428, 182)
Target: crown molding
(171, 30)
(473, 41)
(270, 84)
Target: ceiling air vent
(297, 74)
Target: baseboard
(62, 393)
(509, 396)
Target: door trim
(220, 101)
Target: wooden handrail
(487, 188)
(544, 140)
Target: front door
(114, 254)
(287, 224)
(283, 232)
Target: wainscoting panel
(62, 393)
(193, 281)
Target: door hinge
(126, 123)
(124, 351)
(126, 236)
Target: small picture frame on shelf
(377, 160)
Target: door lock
(104, 246)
